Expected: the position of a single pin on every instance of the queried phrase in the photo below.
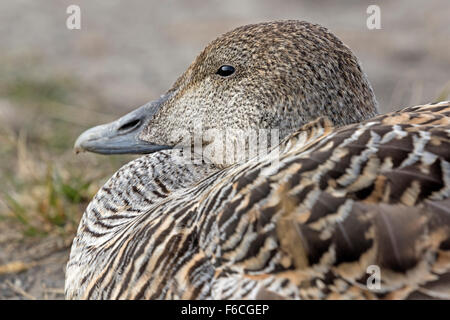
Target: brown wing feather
(370, 194)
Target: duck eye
(225, 71)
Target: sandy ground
(132, 51)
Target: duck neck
(145, 182)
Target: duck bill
(122, 135)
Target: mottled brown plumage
(308, 220)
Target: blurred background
(55, 83)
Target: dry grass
(44, 187)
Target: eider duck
(345, 195)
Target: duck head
(276, 75)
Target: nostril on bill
(129, 125)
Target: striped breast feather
(365, 197)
